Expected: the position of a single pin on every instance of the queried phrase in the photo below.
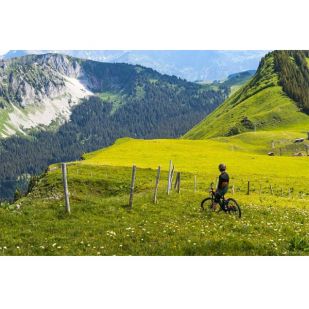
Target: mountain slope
(120, 100)
(38, 90)
(207, 65)
(261, 104)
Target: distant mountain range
(192, 65)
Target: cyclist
(223, 184)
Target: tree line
(293, 70)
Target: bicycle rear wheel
(208, 205)
(233, 208)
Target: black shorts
(220, 193)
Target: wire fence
(136, 180)
(130, 181)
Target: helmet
(222, 167)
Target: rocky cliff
(37, 90)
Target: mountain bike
(229, 206)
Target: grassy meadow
(202, 157)
(273, 223)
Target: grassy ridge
(260, 104)
(270, 109)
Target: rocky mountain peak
(38, 89)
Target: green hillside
(274, 218)
(259, 105)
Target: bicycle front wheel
(233, 208)
(208, 205)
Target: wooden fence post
(195, 184)
(248, 189)
(172, 176)
(178, 182)
(233, 190)
(132, 186)
(280, 151)
(155, 200)
(65, 187)
(169, 177)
